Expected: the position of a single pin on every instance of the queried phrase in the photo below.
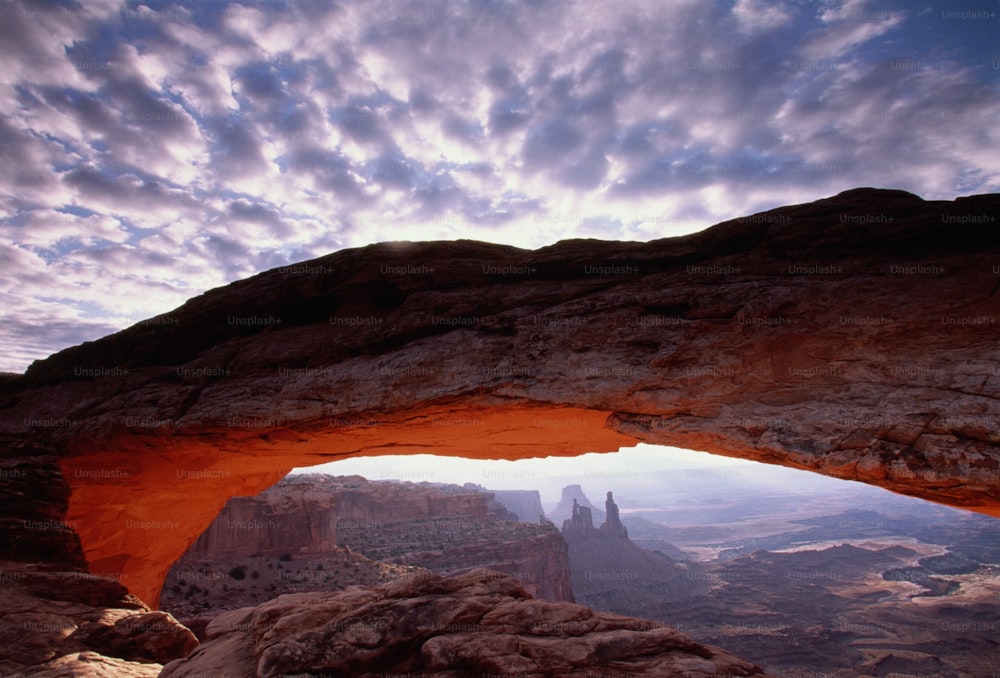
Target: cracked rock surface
(479, 623)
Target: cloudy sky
(636, 471)
(149, 152)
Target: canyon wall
(446, 529)
(854, 336)
(449, 530)
(525, 504)
(299, 519)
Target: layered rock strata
(304, 518)
(447, 529)
(854, 336)
(525, 504)
(290, 518)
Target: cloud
(166, 148)
(756, 16)
(46, 229)
(846, 28)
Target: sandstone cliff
(525, 504)
(572, 495)
(612, 527)
(611, 573)
(853, 336)
(299, 518)
(304, 523)
(479, 623)
(449, 530)
(283, 540)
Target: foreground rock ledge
(856, 336)
(479, 623)
(55, 624)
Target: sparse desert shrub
(238, 573)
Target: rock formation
(525, 504)
(294, 517)
(198, 589)
(34, 498)
(55, 624)
(479, 623)
(580, 524)
(612, 526)
(444, 528)
(496, 507)
(613, 574)
(573, 495)
(854, 336)
(448, 530)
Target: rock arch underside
(855, 336)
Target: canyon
(792, 576)
(836, 590)
(318, 532)
(854, 336)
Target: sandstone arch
(855, 336)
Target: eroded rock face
(572, 496)
(445, 528)
(479, 623)
(580, 524)
(34, 498)
(525, 504)
(612, 526)
(74, 624)
(855, 336)
(291, 517)
(612, 573)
